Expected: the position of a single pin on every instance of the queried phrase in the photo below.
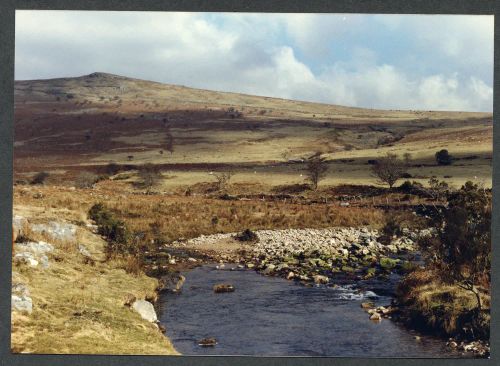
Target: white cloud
(446, 62)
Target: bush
(443, 157)
(39, 178)
(86, 180)
(408, 187)
(462, 249)
(391, 228)
(248, 236)
(149, 175)
(114, 230)
(112, 169)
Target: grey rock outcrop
(146, 310)
(57, 230)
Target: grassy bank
(433, 306)
(78, 305)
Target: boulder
(44, 261)
(37, 248)
(375, 317)
(367, 305)
(22, 303)
(388, 263)
(146, 310)
(290, 276)
(82, 249)
(319, 279)
(222, 287)
(207, 342)
(20, 289)
(180, 283)
(18, 225)
(57, 230)
(25, 258)
(269, 269)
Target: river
(270, 316)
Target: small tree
(39, 178)
(223, 179)
(443, 157)
(437, 189)
(169, 140)
(462, 248)
(316, 168)
(149, 175)
(407, 158)
(389, 169)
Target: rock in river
(222, 287)
(319, 279)
(207, 342)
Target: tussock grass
(446, 309)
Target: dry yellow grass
(441, 306)
(78, 306)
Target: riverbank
(325, 256)
(67, 299)
(270, 316)
(309, 255)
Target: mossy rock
(389, 263)
(370, 272)
(347, 269)
(291, 260)
(408, 266)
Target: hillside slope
(69, 124)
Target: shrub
(223, 179)
(149, 175)
(391, 227)
(114, 230)
(248, 236)
(462, 249)
(408, 187)
(112, 169)
(86, 180)
(443, 157)
(39, 178)
(133, 265)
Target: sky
(425, 62)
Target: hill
(64, 124)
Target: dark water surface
(269, 316)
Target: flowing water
(269, 316)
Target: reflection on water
(269, 316)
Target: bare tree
(169, 140)
(316, 169)
(223, 179)
(149, 175)
(407, 158)
(389, 169)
